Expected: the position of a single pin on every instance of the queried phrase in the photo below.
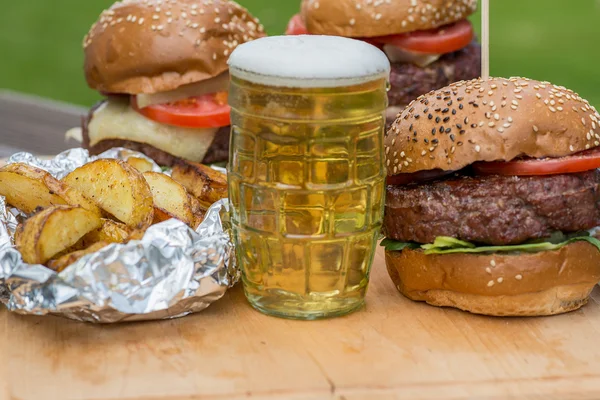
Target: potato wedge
(24, 192)
(61, 263)
(208, 185)
(141, 164)
(110, 232)
(28, 188)
(54, 230)
(171, 199)
(117, 188)
(198, 210)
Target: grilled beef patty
(495, 210)
(409, 81)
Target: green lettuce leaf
(394, 245)
(447, 245)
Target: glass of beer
(306, 173)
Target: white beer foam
(308, 61)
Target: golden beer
(306, 186)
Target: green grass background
(555, 40)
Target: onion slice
(214, 85)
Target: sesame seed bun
(494, 120)
(149, 46)
(545, 283)
(359, 18)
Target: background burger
(429, 43)
(163, 66)
(493, 189)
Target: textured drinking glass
(306, 173)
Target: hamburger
(430, 44)
(493, 197)
(162, 65)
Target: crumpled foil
(171, 272)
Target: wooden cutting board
(392, 349)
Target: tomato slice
(442, 40)
(417, 177)
(208, 111)
(296, 26)
(580, 162)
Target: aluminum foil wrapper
(171, 272)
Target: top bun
(149, 46)
(493, 120)
(370, 18)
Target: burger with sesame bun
(493, 198)
(430, 43)
(162, 65)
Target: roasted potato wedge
(117, 188)
(198, 210)
(54, 230)
(61, 263)
(161, 215)
(172, 200)
(28, 189)
(141, 164)
(110, 232)
(24, 187)
(208, 185)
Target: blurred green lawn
(555, 40)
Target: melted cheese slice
(397, 55)
(117, 120)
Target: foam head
(308, 61)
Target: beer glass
(306, 173)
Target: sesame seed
(500, 280)
(488, 270)
(571, 148)
(535, 128)
(478, 148)
(493, 263)
(490, 283)
(518, 277)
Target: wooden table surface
(391, 349)
(36, 125)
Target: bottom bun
(526, 284)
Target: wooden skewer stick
(485, 40)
